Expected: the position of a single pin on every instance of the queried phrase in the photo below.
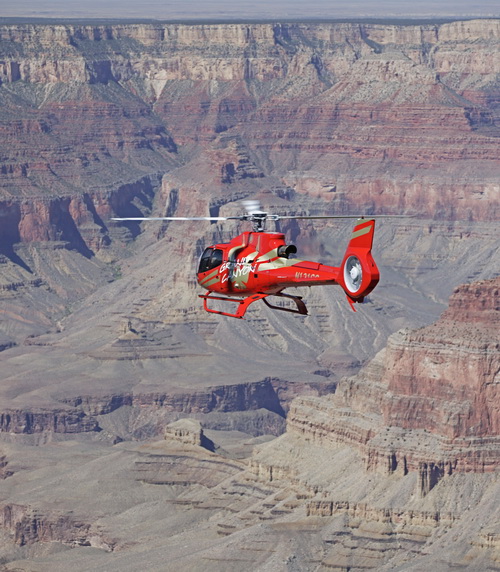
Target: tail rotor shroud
(359, 274)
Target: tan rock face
(445, 378)
(429, 402)
(185, 431)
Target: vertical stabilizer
(358, 273)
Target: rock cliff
(428, 402)
(421, 420)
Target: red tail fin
(358, 273)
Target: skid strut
(243, 304)
(301, 307)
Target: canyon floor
(355, 482)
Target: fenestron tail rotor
(353, 274)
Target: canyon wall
(104, 344)
(80, 414)
(185, 119)
(388, 117)
(428, 403)
(401, 463)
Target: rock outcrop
(428, 403)
(391, 460)
(450, 370)
(4, 471)
(185, 431)
(28, 527)
(37, 421)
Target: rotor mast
(258, 220)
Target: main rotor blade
(179, 218)
(344, 216)
(257, 215)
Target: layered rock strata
(354, 483)
(261, 407)
(171, 119)
(181, 119)
(401, 463)
(428, 403)
(393, 110)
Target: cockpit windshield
(211, 258)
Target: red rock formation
(429, 402)
(77, 220)
(445, 378)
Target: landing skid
(301, 307)
(245, 302)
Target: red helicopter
(257, 264)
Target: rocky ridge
(397, 96)
(428, 402)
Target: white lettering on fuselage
(231, 270)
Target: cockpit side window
(211, 258)
(205, 260)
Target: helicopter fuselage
(258, 264)
(255, 265)
(259, 261)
